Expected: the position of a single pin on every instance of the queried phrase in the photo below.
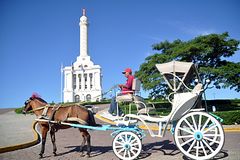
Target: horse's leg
(52, 134)
(44, 136)
(83, 142)
(88, 144)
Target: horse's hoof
(41, 155)
(88, 155)
(55, 154)
(82, 155)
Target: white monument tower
(82, 80)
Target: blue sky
(37, 36)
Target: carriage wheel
(127, 145)
(198, 135)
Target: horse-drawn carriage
(197, 134)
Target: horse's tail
(91, 119)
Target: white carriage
(197, 134)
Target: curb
(154, 128)
(23, 145)
(104, 119)
(231, 129)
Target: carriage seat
(133, 97)
(128, 97)
(184, 102)
(181, 104)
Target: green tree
(208, 52)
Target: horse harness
(55, 108)
(45, 110)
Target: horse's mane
(38, 98)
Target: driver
(125, 89)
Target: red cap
(127, 70)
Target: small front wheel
(127, 145)
(198, 135)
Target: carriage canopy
(175, 73)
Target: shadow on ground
(167, 147)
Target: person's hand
(120, 86)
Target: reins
(48, 105)
(39, 108)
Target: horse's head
(32, 103)
(28, 105)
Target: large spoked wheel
(198, 135)
(127, 145)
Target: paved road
(68, 142)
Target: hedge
(19, 110)
(229, 117)
(228, 110)
(221, 105)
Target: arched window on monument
(91, 79)
(85, 80)
(80, 81)
(88, 97)
(74, 81)
(77, 98)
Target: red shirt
(128, 84)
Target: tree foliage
(208, 52)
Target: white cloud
(197, 31)
(192, 30)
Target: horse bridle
(27, 101)
(36, 109)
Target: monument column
(83, 35)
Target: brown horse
(75, 113)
